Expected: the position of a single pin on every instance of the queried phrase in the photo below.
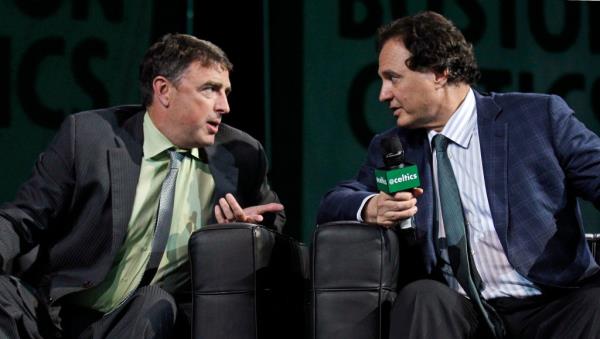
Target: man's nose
(385, 94)
(222, 104)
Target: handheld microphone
(397, 175)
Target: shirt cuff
(362, 205)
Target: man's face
(196, 104)
(413, 97)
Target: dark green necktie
(456, 236)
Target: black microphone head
(393, 152)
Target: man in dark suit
(519, 162)
(92, 202)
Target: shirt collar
(461, 124)
(155, 143)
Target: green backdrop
(62, 56)
(540, 46)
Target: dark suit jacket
(537, 159)
(79, 199)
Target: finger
(219, 215)
(382, 196)
(394, 205)
(226, 209)
(270, 207)
(256, 218)
(236, 209)
(383, 199)
(401, 196)
(399, 215)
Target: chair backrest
(354, 280)
(248, 282)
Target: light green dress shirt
(194, 190)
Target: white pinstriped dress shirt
(498, 276)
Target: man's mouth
(213, 126)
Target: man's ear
(162, 89)
(441, 78)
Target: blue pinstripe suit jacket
(537, 160)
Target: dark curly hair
(171, 56)
(435, 44)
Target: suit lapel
(493, 137)
(124, 164)
(221, 163)
(419, 153)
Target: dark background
(240, 30)
(304, 79)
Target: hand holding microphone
(398, 183)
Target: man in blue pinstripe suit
(520, 162)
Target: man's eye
(209, 90)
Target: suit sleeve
(343, 201)
(264, 193)
(41, 199)
(578, 150)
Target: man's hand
(386, 210)
(228, 210)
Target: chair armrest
(593, 240)
(248, 281)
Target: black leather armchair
(354, 280)
(355, 277)
(248, 281)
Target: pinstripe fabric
(498, 276)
